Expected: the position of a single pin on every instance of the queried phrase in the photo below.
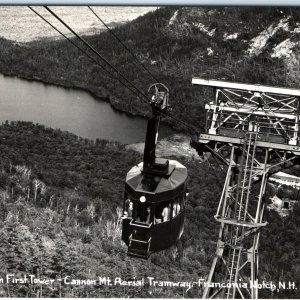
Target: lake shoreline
(73, 87)
(116, 108)
(72, 109)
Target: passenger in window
(128, 209)
(158, 212)
(144, 214)
(148, 215)
(166, 213)
(158, 220)
(176, 208)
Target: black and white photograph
(149, 151)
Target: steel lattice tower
(253, 129)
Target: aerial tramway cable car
(153, 211)
(155, 191)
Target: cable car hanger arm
(160, 106)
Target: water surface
(69, 109)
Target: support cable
(99, 55)
(81, 50)
(136, 90)
(118, 72)
(123, 44)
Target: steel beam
(247, 87)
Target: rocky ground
(176, 145)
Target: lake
(72, 110)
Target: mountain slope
(60, 208)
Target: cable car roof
(156, 188)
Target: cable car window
(143, 213)
(135, 210)
(128, 207)
(177, 206)
(166, 211)
(163, 212)
(157, 213)
(149, 216)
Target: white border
(286, 3)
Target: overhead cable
(80, 49)
(136, 90)
(118, 72)
(123, 44)
(100, 56)
(133, 55)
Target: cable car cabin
(155, 190)
(153, 209)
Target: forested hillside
(254, 45)
(61, 199)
